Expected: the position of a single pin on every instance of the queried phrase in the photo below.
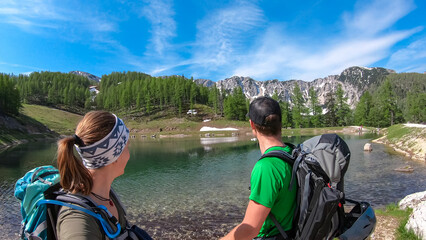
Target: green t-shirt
(270, 180)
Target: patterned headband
(108, 149)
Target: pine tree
(213, 98)
(315, 108)
(298, 107)
(241, 104)
(229, 107)
(362, 110)
(275, 96)
(148, 103)
(330, 105)
(192, 95)
(387, 100)
(342, 108)
(235, 106)
(286, 114)
(10, 101)
(415, 105)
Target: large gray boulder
(412, 200)
(417, 220)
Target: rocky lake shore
(412, 143)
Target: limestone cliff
(354, 81)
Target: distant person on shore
(101, 139)
(270, 178)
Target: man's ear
(252, 124)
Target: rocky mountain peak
(363, 77)
(87, 75)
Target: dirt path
(385, 228)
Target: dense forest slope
(375, 97)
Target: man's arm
(252, 222)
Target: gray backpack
(319, 166)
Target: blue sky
(265, 40)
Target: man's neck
(266, 142)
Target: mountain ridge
(354, 80)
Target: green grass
(164, 122)
(56, 120)
(10, 136)
(19, 132)
(398, 131)
(402, 217)
(163, 125)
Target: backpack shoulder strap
(286, 157)
(278, 225)
(81, 203)
(118, 200)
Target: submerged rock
(407, 169)
(368, 147)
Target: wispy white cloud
(222, 33)
(39, 16)
(370, 18)
(160, 14)
(234, 39)
(30, 9)
(19, 66)
(357, 52)
(9, 11)
(280, 57)
(410, 59)
(221, 40)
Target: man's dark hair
(265, 113)
(272, 128)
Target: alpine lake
(198, 188)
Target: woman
(101, 140)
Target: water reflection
(214, 140)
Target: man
(270, 178)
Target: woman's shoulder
(75, 224)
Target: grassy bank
(56, 120)
(19, 129)
(398, 219)
(407, 140)
(398, 132)
(14, 137)
(35, 123)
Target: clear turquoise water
(198, 188)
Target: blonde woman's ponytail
(74, 176)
